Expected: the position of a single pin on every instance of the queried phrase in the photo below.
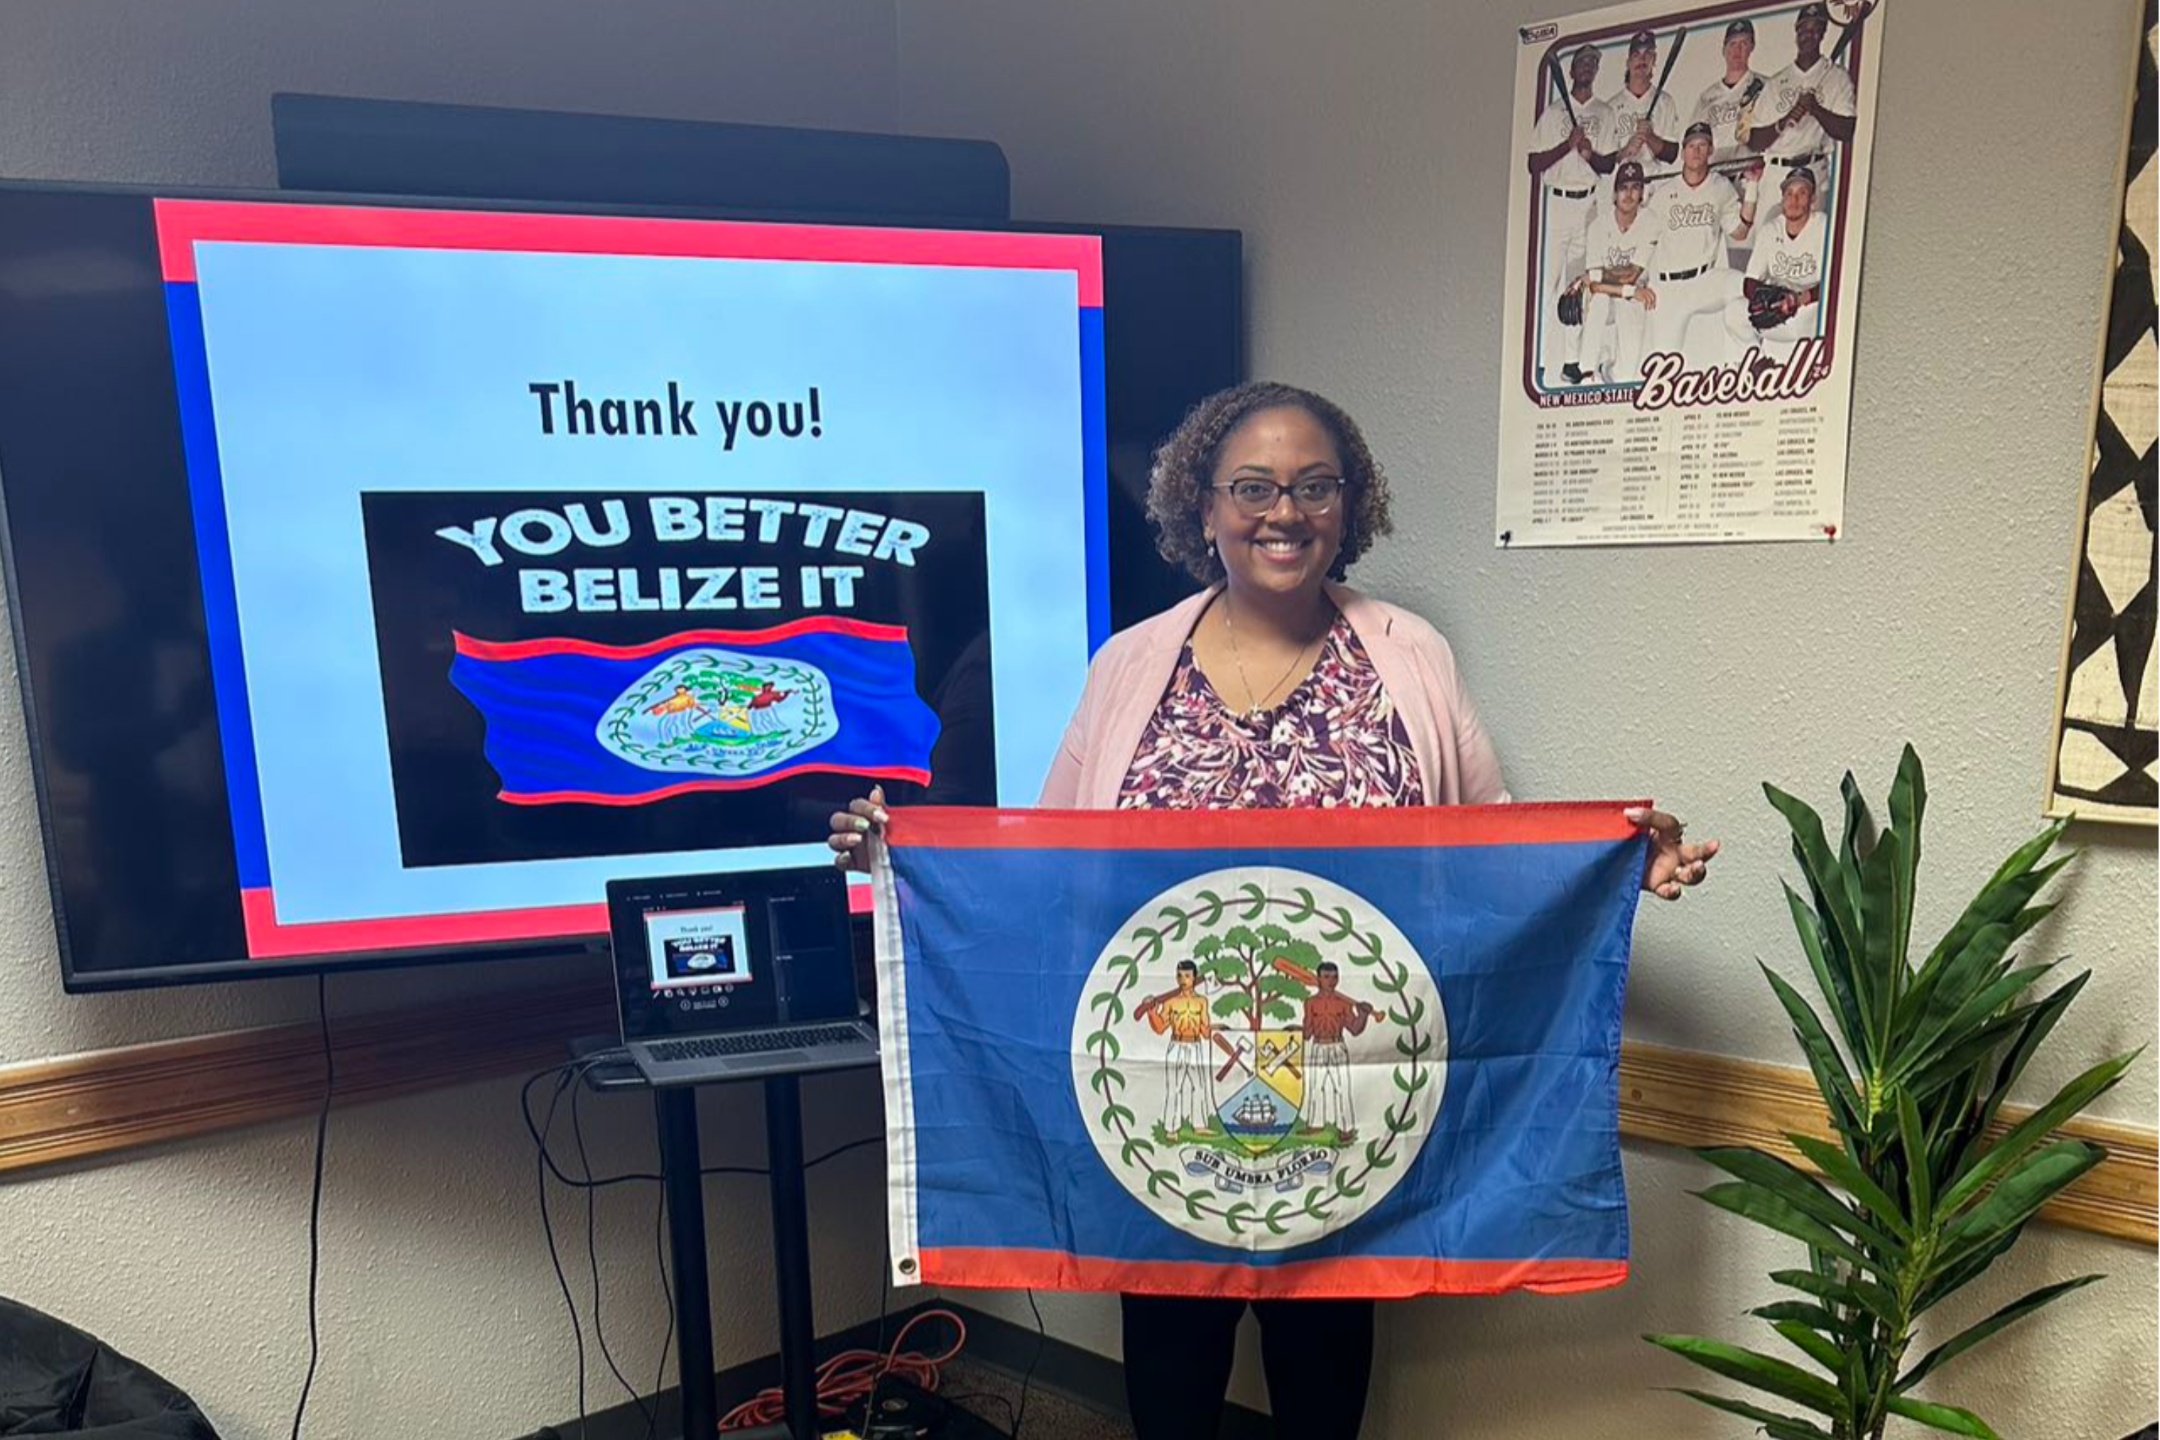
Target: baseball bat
(1552, 63)
(1679, 39)
(1837, 53)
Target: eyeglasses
(1315, 495)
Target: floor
(995, 1396)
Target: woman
(1277, 686)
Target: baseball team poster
(1685, 215)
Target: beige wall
(1363, 148)
(440, 1316)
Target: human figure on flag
(1331, 1017)
(1188, 1066)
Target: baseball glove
(1570, 306)
(1770, 306)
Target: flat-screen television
(386, 576)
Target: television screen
(387, 577)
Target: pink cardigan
(1417, 669)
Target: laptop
(737, 977)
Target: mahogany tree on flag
(1266, 971)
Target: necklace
(1258, 707)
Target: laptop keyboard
(713, 1047)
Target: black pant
(1318, 1357)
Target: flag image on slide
(576, 722)
(1256, 1053)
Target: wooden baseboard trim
(106, 1103)
(103, 1105)
(1685, 1097)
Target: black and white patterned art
(2105, 750)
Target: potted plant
(1914, 1065)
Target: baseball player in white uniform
(1811, 102)
(1697, 212)
(1637, 129)
(1560, 156)
(1617, 250)
(1724, 99)
(1790, 253)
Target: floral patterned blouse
(1334, 740)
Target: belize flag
(572, 721)
(1256, 1053)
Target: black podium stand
(679, 1165)
(675, 1109)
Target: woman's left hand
(1672, 865)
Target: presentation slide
(696, 948)
(540, 550)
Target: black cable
(571, 1077)
(884, 1309)
(567, 1076)
(322, 1135)
(667, 1300)
(646, 1177)
(1042, 1339)
(592, 1256)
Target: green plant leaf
(1774, 1424)
(1841, 1168)
(1937, 995)
(1804, 1339)
(2043, 1019)
(1859, 836)
(1941, 1417)
(1880, 961)
(1822, 1055)
(2018, 1194)
(1962, 1061)
(1815, 1317)
(2005, 894)
(1796, 1188)
(1919, 1179)
(2034, 1128)
(2002, 1319)
(1772, 1376)
(1908, 806)
(1975, 1012)
(1949, 1278)
(1842, 915)
(1766, 1208)
(1859, 1293)
(1835, 981)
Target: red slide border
(181, 224)
(269, 938)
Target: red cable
(849, 1376)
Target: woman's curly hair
(1185, 467)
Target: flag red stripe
(563, 645)
(1365, 1277)
(957, 828)
(647, 797)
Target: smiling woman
(1276, 687)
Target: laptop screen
(699, 954)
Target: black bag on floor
(56, 1380)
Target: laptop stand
(675, 1108)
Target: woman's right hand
(850, 827)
